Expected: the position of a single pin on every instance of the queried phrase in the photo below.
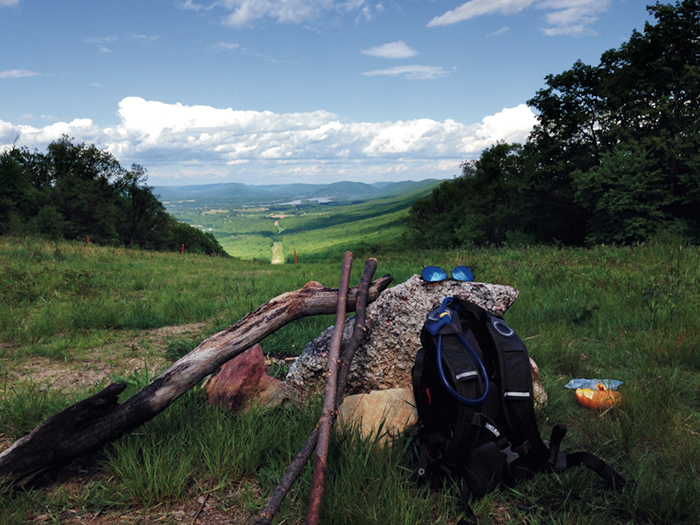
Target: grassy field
(99, 313)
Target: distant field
(314, 230)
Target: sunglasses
(433, 274)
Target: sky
(280, 91)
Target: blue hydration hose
(445, 318)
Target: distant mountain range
(234, 193)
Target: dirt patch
(277, 253)
(130, 352)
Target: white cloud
(246, 12)
(413, 72)
(8, 3)
(83, 129)
(478, 8)
(365, 11)
(507, 125)
(179, 143)
(500, 31)
(229, 46)
(189, 5)
(17, 73)
(572, 17)
(295, 11)
(565, 17)
(146, 39)
(397, 49)
(100, 40)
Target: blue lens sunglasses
(433, 274)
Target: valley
(272, 223)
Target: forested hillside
(614, 157)
(74, 191)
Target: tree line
(614, 156)
(74, 191)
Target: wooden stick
(295, 468)
(101, 419)
(288, 479)
(330, 392)
(359, 329)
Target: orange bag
(599, 398)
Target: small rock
(243, 382)
(538, 392)
(383, 412)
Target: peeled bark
(96, 421)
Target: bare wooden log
(295, 468)
(330, 392)
(45, 448)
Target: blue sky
(276, 91)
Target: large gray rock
(394, 321)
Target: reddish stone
(243, 382)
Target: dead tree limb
(295, 468)
(330, 392)
(65, 437)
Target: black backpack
(473, 389)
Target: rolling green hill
(233, 193)
(249, 220)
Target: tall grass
(623, 313)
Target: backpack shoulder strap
(517, 394)
(519, 409)
(516, 389)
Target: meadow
(627, 313)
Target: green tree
(492, 207)
(74, 190)
(18, 200)
(653, 94)
(570, 136)
(434, 220)
(626, 195)
(483, 206)
(143, 214)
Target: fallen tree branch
(101, 419)
(295, 468)
(330, 393)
